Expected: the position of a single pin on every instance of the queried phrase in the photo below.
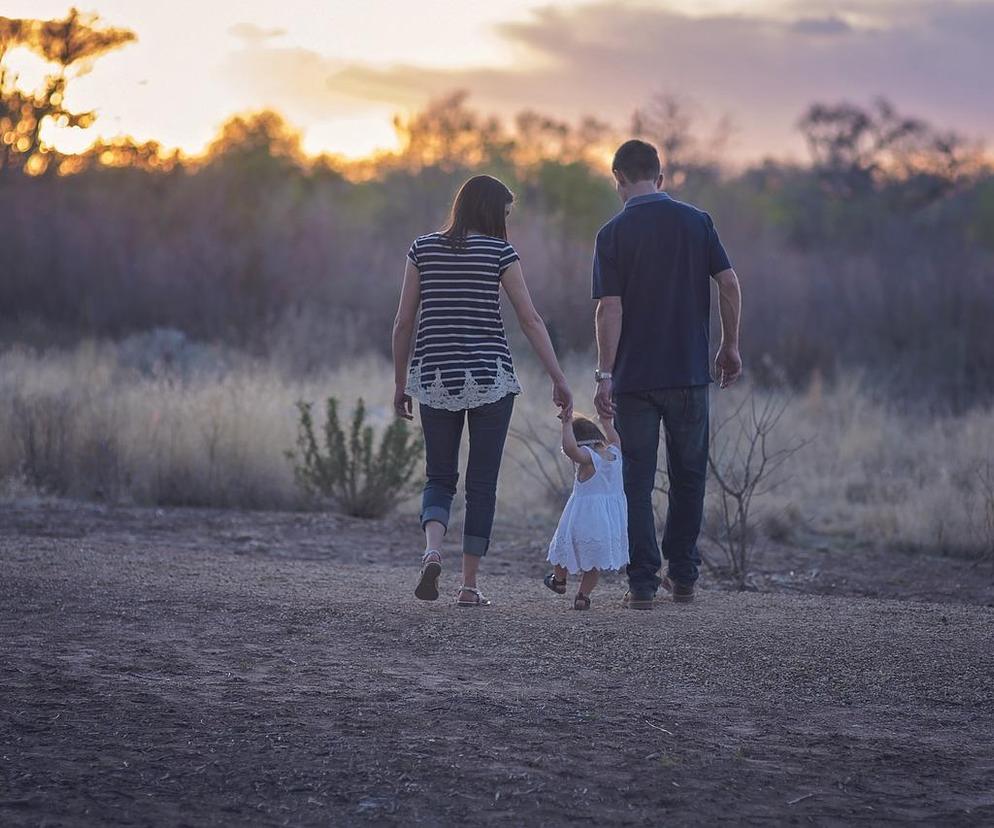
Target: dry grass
(88, 424)
(97, 422)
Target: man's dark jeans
(488, 426)
(683, 413)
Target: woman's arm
(570, 448)
(534, 328)
(607, 423)
(403, 330)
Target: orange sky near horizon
(339, 70)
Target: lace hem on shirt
(472, 395)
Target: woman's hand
(402, 405)
(562, 396)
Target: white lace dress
(593, 531)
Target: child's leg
(560, 572)
(589, 580)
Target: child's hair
(586, 431)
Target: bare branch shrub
(549, 467)
(744, 465)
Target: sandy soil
(199, 668)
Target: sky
(340, 69)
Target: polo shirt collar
(646, 199)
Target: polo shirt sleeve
(412, 254)
(508, 256)
(607, 279)
(717, 257)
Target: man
(653, 266)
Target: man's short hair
(637, 161)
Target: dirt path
(222, 668)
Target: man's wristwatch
(601, 375)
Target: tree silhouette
(671, 123)
(448, 134)
(70, 45)
(858, 150)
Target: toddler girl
(592, 535)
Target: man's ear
(659, 182)
(619, 176)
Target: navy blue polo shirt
(659, 254)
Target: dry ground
(210, 667)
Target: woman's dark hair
(586, 430)
(479, 206)
(637, 161)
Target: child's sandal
(581, 602)
(557, 586)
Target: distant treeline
(879, 258)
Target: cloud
(831, 25)
(930, 57)
(253, 34)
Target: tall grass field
(154, 422)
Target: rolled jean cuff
(436, 513)
(472, 545)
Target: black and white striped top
(461, 359)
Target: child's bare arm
(570, 448)
(607, 423)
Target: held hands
(402, 405)
(562, 397)
(727, 365)
(604, 399)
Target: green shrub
(364, 481)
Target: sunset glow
(340, 71)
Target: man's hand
(402, 405)
(727, 365)
(603, 401)
(562, 396)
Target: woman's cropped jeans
(488, 426)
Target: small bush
(362, 480)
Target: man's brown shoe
(631, 602)
(682, 593)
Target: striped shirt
(461, 359)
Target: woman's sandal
(581, 602)
(481, 600)
(557, 586)
(431, 568)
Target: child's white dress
(593, 531)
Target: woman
(461, 368)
